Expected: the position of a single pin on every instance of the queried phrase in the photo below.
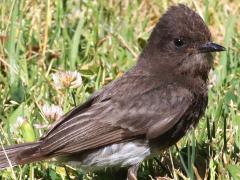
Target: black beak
(210, 47)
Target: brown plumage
(149, 108)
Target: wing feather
(114, 116)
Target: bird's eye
(178, 42)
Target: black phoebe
(148, 109)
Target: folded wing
(121, 112)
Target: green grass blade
(75, 44)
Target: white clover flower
(68, 79)
(52, 112)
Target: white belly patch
(121, 154)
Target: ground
(40, 40)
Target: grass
(101, 40)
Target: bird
(146, 110)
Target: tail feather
(12, 155)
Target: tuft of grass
(101, 40)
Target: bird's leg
(132, 172)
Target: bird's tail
(19, 154)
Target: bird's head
(181, 43)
